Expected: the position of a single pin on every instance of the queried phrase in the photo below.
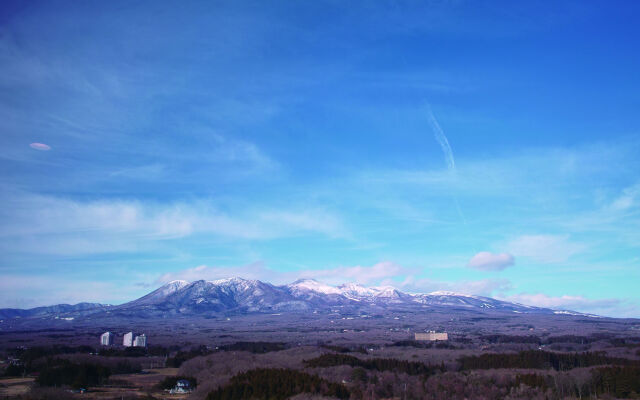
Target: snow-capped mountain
(162, 292)
(203, 297)
(238, 296)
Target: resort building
(127, 339)
(140, 341)
(106, 339)
(432, 336)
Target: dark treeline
(276, 384)
(160, 351)
(533, 380)
(123, 352)
(413, 343)
(254, 347)
(571, 339)
(497, 338)
(38, 358)
(377, 364)
(511, 339)
(535, 359)
(171, 381)
(630, 342)
(425, 344)
(28, 355)
(59, 372)
(343, 349)
(622, 382)
(182, 356)
(126, 367)
(30, 358)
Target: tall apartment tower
(106, 339)
(140, 341)
(127, 339)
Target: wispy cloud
(629, 198)
(448, 154)
(544, 248)
(483, 287)
(442, 140)
(256, 270)
(374, 274)
(566, 302)
(40, 146)
(381, 273)
(48, 224)
(144, 172)
(18, 291)
(487, 261)
(607, 307)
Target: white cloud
(382, 273)
(17, 291)
(543, 300)
(544, 248)
(46, 224)
(241, 151)
(483, 287)
(608, 307)
(377, 273)
(487, 261)
(256, 270)
(150, 171)
(334, 276)
(627, 199)
(40, 146)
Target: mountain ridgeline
(242, 296)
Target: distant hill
(8, 313)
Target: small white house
(182, 386)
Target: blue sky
(480, 147)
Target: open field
(12, 387)
(368, 356)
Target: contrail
(448, 154)
(442, 139)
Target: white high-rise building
(106, 339)
(127, 339)
(140, 341)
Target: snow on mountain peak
(171, 287)
(386, 291)
(177, 283)
(448, 293)
(313, 286)
(355, 289)
(234, 281)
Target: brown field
(129, 385)
(124, 385)
(14, 386)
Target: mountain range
(243, 296)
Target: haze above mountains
(235, 296)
